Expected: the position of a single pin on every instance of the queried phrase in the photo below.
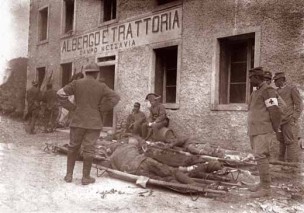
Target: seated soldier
(135, 120)
(157, 118)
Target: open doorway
(107, 74)
(66, 73)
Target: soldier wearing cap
(33, 97)
(135, 120)
(157, 118)
(86, 122)
(289, 126)
(267, 77)
(263, 121)
(51, 108)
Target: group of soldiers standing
(273, 115)
(41, 104)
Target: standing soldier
(86, 122)
(264, 118)
(51, 109)
(275, 146)
(289, 126)
(33, 101)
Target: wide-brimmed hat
(152, 96)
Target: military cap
(256, 71)
(279, 75)
(34, 83)
(267, 74)
(152, 96)
(136, 104)
(92, 67)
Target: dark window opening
(109, 10)
(236, 58)
(66, 70)
(161, 2)
(106, 58)
(43, 24)
(69, 15)
(40, 75)
(166, 73)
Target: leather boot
(87, 165)
(263, 189)
(71, 159)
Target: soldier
(289, 126)
(51, 109)
(33, 101)
(157, 118)
(268, 77)
(264, 118)
(135, 120)
(86, 122)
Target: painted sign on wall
(150, 29)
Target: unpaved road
(31, 180)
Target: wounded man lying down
(130, 158)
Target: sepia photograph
(152, 106)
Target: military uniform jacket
(259, 122)
(136, 117)
(89, 95)
(294, 105)
(50, 98)
(157, 113)
(33, 98)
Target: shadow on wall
(12, 91)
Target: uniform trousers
(288, 142)
(85, 137)
(261, 145)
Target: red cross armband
(271, 102)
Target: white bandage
(271, 102)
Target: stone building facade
(195, 53)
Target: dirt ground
(31, 180)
